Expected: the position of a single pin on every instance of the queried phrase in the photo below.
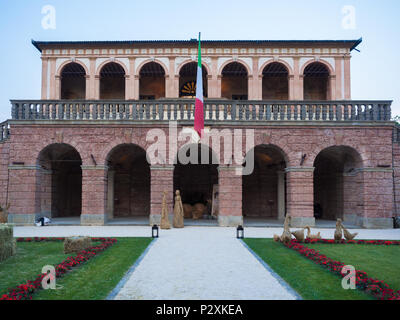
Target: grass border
(273, 273)
(128, 274)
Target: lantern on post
(240, 232)
(154, 231)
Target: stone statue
(165, 224)
(338, 232)
(178, 211)
(347, 234)
(312, 236)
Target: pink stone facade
(348, 169)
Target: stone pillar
(97, 87)
(162, 179)
(94, 195)
(347, 80)
(213, 91)
(132, 83)
(281, 195)
(170, 91)
(300, 195)
(297, 80)
(250, 89)
(378, 198)
(110, 194)
(331, 87)
(91, 84)
(230, 196)
(127, 87)
(57, 90)
(45, 84)
(52, 84)
(22, 194)
(218, 89)
(291, 87)
(136, 87)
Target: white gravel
(197, 262)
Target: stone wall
(300, 144)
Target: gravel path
(197, 262)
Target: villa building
(80, 151)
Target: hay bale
(8, 245)
(187, 210)
(76, 244)
(3, 216)
(198, 210)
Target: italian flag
(198, 109)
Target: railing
(214, 110)
(4, 131)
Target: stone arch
(65, 63)
(101, 66)
(128, 191)
(275, 81)
(317, 81)
(187, 73)
(234, 81)
(248, 69)
(73, 81)
(322, 61)
(204, 173)
(338, 183)
(59, 181)
(203, 63)
(152, 77)
(270, 61)
(112, 80)
(264, 190)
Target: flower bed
(376, 288)
(26, 290)
(375, 242)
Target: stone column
(57, 90)
(297, 80)
(52, 84)
(162, 179)
(291, 89)
(347, 80)
(127, 87)
(230, 196)
(378, 198)
(45, 84)
(300, 195)
(91, 83)
(132, 62)
(170, 91)
(97, 87)
(281, 195)
(22, 194)
(110, 194)
(136, 87)
(94, 195)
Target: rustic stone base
(155, 219)
(22, 219)
(230, 221)
(300, 222)
(376, 223)
(93, 219)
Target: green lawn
(378, 261)
(311, 281)
(28, 262)
(91, 281)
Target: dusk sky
(374, 70)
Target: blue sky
(374, 70)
